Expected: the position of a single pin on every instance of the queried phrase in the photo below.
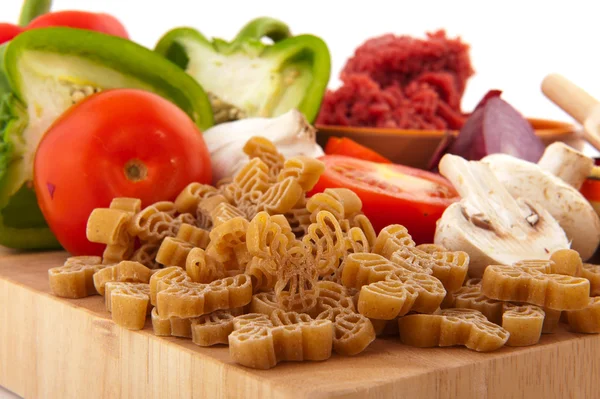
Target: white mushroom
(489, 224)
(563, 161)
(559, 197)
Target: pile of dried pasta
(256, 265)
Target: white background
(514, 44)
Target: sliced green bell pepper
(263, 80)
(47, 71)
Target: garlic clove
(290, 132)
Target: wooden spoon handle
(571, 98)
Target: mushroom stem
(565, 162)
(480, 190)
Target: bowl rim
(547, 127)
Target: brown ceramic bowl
(416, 147)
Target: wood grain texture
(57, 348)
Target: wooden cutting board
(56, 348)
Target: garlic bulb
(290, 132)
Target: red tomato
(98, 22)
(392, 194)
(350, 148)
(8, 31)
(117, 143)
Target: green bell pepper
(47, 71)
(32, 9)
(262, 80)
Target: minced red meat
(401, 82)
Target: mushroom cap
(486, 247)
(567, 205)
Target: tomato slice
(392, 194)
(350, 148)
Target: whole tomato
(8, 31)
(117, 143)
(98, 22)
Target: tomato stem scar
(135, 170)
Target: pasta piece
(228, 244)
(264, 303)
(164, 278)
(391, 239)
(586, 320)
(173, 252)
(146, 255)
(305, 170)
(452, 327)
(202, 268)
(357, 241)
(592, 274)
(332, 296)
(431, 248)
(123, 272)
(108, 226)
(187, 201)
(184, 218)
(353, 331)
(265, 150)
(325, 202)
(223, 213)
(212, 329)
(260, 343)
(524, 282)
(280, 197)
(129, 303)
(207, 330)
(267, 240)
(524, 324)
(327, 243)
(131, 205)
(251, 182)
(449, 267)
(471, 297)
(189, 299)
(155, 222)
(567, 262)
(205, 208)
(286, 229)
(387, 290)
(196, 236)
(75, 278)
(341, 202)
(363, 223)
(296, 287)
(299, 218)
